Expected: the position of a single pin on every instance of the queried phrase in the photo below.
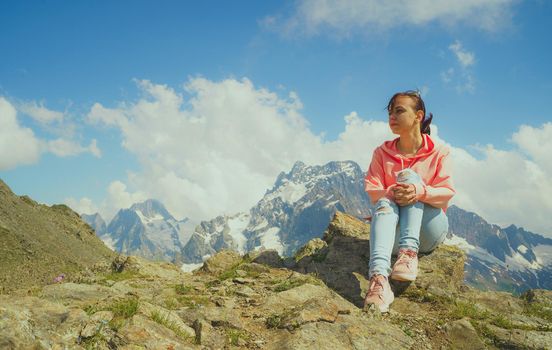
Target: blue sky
(483, 67)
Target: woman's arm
(441, 189)
(374, 180)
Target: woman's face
(402, 117)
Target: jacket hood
(428, 148)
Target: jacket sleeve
(441, 189)
(374, 180)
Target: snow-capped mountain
(508, 258)
(297, 208)
(146, 229)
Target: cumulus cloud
(506, 187)
(216, 147)
(40, 113)
(347, 17)
(83, 206)
(117, 198)
(18, 145)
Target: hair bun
(425, 129)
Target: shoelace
(374, 286)
(406, 255)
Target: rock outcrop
(261, 301)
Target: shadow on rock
(341, 260)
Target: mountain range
(299, 207)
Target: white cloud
(465, 58)
(65, 148)
(347, 17)
(218, 146)
(465, 81)
(18, 145)
(40, 113)
(506, 187)
(536, 143)
(82, 206)
(222, 148)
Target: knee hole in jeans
(383, 208)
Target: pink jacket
(432, 162)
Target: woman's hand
(405, 194)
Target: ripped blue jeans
(418, 226)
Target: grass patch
(165, 321)
(232, 271)
(461, 309)
(423, 296)
(120, 276)
(274, 321)
(91, 309)
(292, 282)
(288, 284)
(183, 289)
(540, 310)
(125, 308)
(171, 304)
(234, 336)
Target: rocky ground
(260, 301)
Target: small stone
(243, 280)
(247, 292)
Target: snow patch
(348, 169)
(474, 251)
(237, 225)
(289, 192)
(190, 267)
(518, 262)
(329, 204)
(146, 219)
(522, 249)
(271, 240)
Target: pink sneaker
(406, 266)
(379, 293)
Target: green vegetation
(292, 282)
(234, 335)
(171, 304)
(91, 309)
(232, 271)
(165, 321)
(125, 308)
(182, 289)
(120, 276)
(540, 310)
(273, 321)
(461, 309)
(423, 296)
(288, 284)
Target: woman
(409, 183)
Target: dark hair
(419, 105)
